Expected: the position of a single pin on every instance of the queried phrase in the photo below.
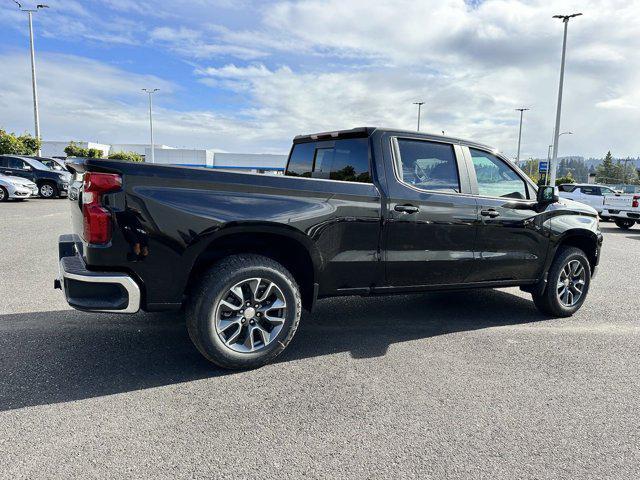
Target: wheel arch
(585, 240)
(287, 246)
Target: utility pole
(565, 19)
(34, 86)
(521, 110)
(419, 104)
(150, 92)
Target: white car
(589, 194)
(16, 188)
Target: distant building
(139, 148)
(246, 162)
(56, 149)
(180, 156)
(166, 155)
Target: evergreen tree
(607, 171)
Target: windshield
(36, 164)
(53, 164)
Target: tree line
(575, 170)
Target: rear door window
(346, 160)
(428, 165)
(16, 163)
(590, 190)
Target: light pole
(565, 19)
(36, 113)
(549, 151)
(419, 104)
(150, 92)
(521, 110)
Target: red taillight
(96, 218)
(634, 204)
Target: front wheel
(624, 223)
(4, 195)
(48, 190)
(567, 284)
(244, 312)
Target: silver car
(16, 188)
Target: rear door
(592, 195)
(19, 168)
(346, 226)
(511, 244)
(430, 218)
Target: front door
(430, 225)
(511, 244)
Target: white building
(56, 149)
(250, 161)
(166, 155)
(139, 148)
(247, 162)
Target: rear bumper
(624, 214)
(93, 291)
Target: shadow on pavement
(51, 357)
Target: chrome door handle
(491, 213)
(406, 208)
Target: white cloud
(296, 67)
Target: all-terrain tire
(624, 224)
(213, 288)
(548, 301)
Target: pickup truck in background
(366, 211)
(623, 209)
(589, 194)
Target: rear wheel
(4, 195)
(48, 190)
(244, 312)
(567, 284)
(624, 223)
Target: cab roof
(361, 132)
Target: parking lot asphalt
(445, 385)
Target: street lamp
(551, 146)
(521, 110)
(565, 19)
(419, 104)
(36, 113)
(150, 92)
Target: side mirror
(547, 194)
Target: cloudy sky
(246, 76)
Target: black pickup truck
(366, 211)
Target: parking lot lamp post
(150, 92)
(419, 104)
(521, 110)
(553, 167)
(549, 151)
(36, 113)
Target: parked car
(623, 209)
(589, 194)
(359, 212)
(17, 188)
(51, 184)
(53, 163)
